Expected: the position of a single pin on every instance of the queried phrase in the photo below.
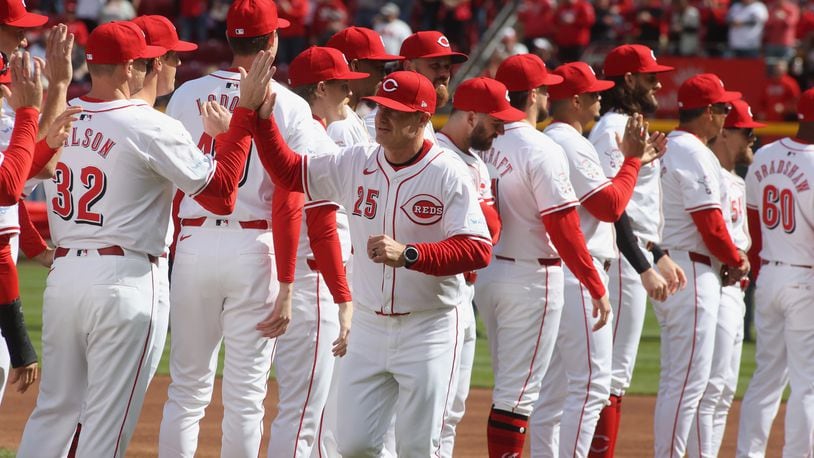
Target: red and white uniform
(10, 226)
(225, 281)
(577, 384)
(349, 131)
(726, 357)
(779, 196)
(109, 205)
(692, 181)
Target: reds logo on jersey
(424, 209)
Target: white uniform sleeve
(587, 176)
(341, 136)
(328, 176)
(752, 190)
(610, 156)
(462, 214)
(699, 187)
(550, 183)
(173, 155)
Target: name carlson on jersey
(786, 168)
(424, 209)
(87, 138)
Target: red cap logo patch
(423, 209)
(390, 85)
(443, 41)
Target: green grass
(645, 377)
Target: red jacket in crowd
(572, 21)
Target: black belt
(541, 261)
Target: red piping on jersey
(590, 369)
(226, 77)
(795, 148)
(311, 380)
(619, 301)
(692, 354)
(559, 207)
(537, 345)
(85, 98)
(451, 377)
(801, 141)
(702, 207)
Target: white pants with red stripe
(520, 303)
(403, 365)
(98, 321)
(304, 366)
(784, 319)
(223, 284)
(688, 321)
(723, 376)
(576, 386)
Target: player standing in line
(99, 303)
(430, 54)
(231, 271)
(403, 356)
(779, 201)
(480, 108)
(519, 295)
(733, 146)
(364, 49)
(695, 205)
(576, 385)
(631, 277)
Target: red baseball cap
(805, 106)
(360, 43)
(741, 117)
(632, 59)
(13, 13)
(117, 42)
(702, 90)
(252, 18)
(317, 64)
(406, 91)
(159, 31)
(429, 44)
(525, 72)
(485, 95)
(579, 78)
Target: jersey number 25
(94, 183)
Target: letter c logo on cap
(443, 41)
(507, 97)
(390, 85)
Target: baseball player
(733, 146)
(364, 49)
(534, 196)
(99, 305)
(576, 385)
(778, 198)
(404, 354)
(480, 108)
(695, 206)
(632, 277)
(430, 54)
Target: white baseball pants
(5, 359)
(576, 386)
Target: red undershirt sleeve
(608, 204)
(753, 218)
(42, 156)
(232, 150)
(321, 224)
(286, 221)
(283, 164)
(711, 225)
(452, 256)
(31, 242)
(492, 220)
(17, 158)
(566, 236)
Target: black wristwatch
(410, 256)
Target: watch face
(411, 254)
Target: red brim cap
(509, 115)
(657, 68)
(384, 57)
(28, 20)
(390, 103)
(600, 86)
(457, 58)
(184, 46)
(351, 75)
(551, 79)
(747, 125)
(151, 52)
(729, 96)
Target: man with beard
(427, 53)
(519, 295)
(480, 108)
(634, 70)
(732, 147)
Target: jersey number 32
(93, 186)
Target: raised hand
(58, 68)
(655, 148)
(216, 118)
(26, 86)
(254, 83)
(634, 141)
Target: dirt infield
(635, 436)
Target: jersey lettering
(229, 102)
(62, 203)
(368, 199)
(778, 208)
(93, 180)
(87, 138)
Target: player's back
(778, 186)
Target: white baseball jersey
(349, 131)
(644, 208)
(428, 201)
(475, 165)
(9, 216)
(777, 186)
(691, 180)
(106, 162)
(255, 191)
(370, 123)
(736, 191)
(587, 178)
(529, 179)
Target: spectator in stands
(573, 20)
(781, 93)
(546, 51)
(292, 39)
(536, 16)
(330, 16)
(781, 29)
(715, 28)
(116, 10)
(456, 18)
(746, 20)
(509, 45)
(392, 29)
(649, 24)
(685, 29)
(609, 22)
(192, 21)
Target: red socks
(606, 430)
(506, 433)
